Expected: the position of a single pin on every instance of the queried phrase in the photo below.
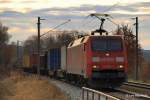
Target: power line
(112, 22)
(106, 15)
(114, 5)
(55, 27)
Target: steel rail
(133, 94)
(138, 85)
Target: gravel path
(73, 92)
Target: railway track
(138, 85)
(129, 95)
(118, 94)
(132, 91)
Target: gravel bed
(74, 93)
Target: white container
(63, 57)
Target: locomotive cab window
(99, 45)
(106, 44)
(115, 45)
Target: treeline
(51, 40)
(143, 65)
(4, 48)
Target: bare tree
(30, 45)
(130, 41)
(49, 42)
(55, 39)
(4, 36)
(65, 38)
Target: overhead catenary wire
(102, 12)
(110, 8)
(56, 27)
(112, 22)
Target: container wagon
(34, 62)
(26, 62)
(63, 58)
(43, 64)
(53, 61)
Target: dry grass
(22, 87)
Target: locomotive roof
(84, 39)
(79, 41)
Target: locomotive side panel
(76, 60)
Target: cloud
(20, 33)
(141, 4)
(21, 1)
(23, 23)
(145, 9)
(14, 30)
(28, 1)
(145, 43)
(11, 14)
(83, 10)
(18, 30)
(5, 1)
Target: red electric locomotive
(99, 60)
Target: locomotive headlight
(119, 59)
(120, 66)
(94, 66)
(95, 59)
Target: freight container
(63, 57)
(20, 52)
(54, 59)
(43, 61)
(43, 64)
(26, 60)
(34, 60)
(9, 55)
(19, 56)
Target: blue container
(54, 59)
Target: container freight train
(98, 61)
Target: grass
(22, 87)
